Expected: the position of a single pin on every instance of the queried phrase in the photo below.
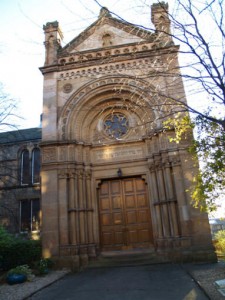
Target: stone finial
(53, 26)
(160, 17)
(53, 37)
(161, 4)
(104, 12)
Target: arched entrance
(124, 214)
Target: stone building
(110, 178)
(20, 181)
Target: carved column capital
(175, 161)
(63, 174)
(88, 174)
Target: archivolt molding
(91, 99)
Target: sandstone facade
(111, 179)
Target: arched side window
(25, 167)
(36, 164)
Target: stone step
(126, 258)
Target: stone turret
(160, 18)
(53, 38)
(104, 12)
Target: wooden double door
(124, 214)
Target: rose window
(116, 125)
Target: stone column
(72, 212)
(172, 201)
(181, 197)
(50, 217)
(81, 209)
(63, 208)
(154, 188)
(89, 208)
(76, 208)
(162, 198)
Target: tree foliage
(220, 242)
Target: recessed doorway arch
(124, 214)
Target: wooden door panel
(143, 216)
(106, 219)
(131, 218)
(141, 201)
(117, 218)
(139, 184)
(132, 237)
(107, 238)
(116, 202)
(115, 187)
(137, 235)
(119, 237)
(143, 235)
(129, 201)
(104, 188)
(124, 214)
(128, 185)
(113, 238)
(105, 204)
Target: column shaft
(63, 210)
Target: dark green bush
(15, 251)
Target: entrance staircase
(124, 258)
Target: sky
(22, 37)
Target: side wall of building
(19, 190)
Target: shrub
(5, 236)
(15, 251)
(43, 265)
(24, 270)
(220, 242)
(19, 274)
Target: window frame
(24, 151)
(33, 166)
(31, 214)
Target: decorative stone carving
(49, 155)
(106, 40)
(67, 88)
(62, 153)
(148, 63)
(118, 83)
(118, 153)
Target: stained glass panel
(116, 125)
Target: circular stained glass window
(116, 125)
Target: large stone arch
(85, 107)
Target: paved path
(152, 282)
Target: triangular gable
(105, 32)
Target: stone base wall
(177, 250)
(77, 263)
